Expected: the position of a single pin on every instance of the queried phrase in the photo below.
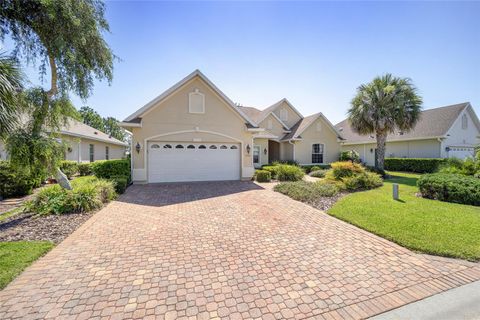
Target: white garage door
(461, 152)
(185, 161)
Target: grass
(428, 226)
(16, 256)
(10, 213)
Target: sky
(315, 54)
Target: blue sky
(313, 53)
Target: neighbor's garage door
(180, 161)
(461, 152)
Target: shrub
(451, 188)
(350, 155)
(106, 169)
(120, 183)
(272, 169)
(70, 168)
(306, 191)
(84, 169)
(315, 168)
(289, 162)
(419, 165)
(287, 172)
(318, 173)
(310, 168)
(87, 194)
(363, 181)
(263, 176)
(15, 182)
(344, 169)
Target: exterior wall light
(248, 149)
(265, 151)
(138, 147)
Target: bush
(343, 169)
(272, 169)
(318, 173)
(84, 169)
(87, 195)
(310, 168)
(70, 168)
(419, 165)
(263, 176)
(306, 191)
(15, 182)
(350, 155)
(120, 183)
(451, 188)
(363, 181)
(287, 172)
(289, 162)
(106, 169)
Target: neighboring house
(446, 132)
(193, 132)
(86, 144)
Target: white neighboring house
(445, 132)
(86, 144)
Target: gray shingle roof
(433, 123)
(300, 126)
(78, 129)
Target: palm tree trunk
(381, 142)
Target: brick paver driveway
(227, 250)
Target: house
(85, 144)
(194, 132)
(445, 132)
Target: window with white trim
(91, 151)
(256, 154)
(317, 153)
(196, 102)
(284, 115)
(464, 122)
(107, 153)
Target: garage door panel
(193, 162)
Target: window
(223, 147)
(178, 146)
(256, 154)
(92, 152)
(202, 147)
(107, 153)
(191, 146)
(233, 147)
(156, 146)
(213, 147)
(167, 146)
(317, 153)
(269, 124)
(464, 122)
(283, 115)
(196, 102)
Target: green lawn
(429, 226)
(16, 256)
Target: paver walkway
(223, 250)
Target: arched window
(155, 146)
(196, 102)
(233, 147)
(223, 147)
(191, 146)
(178, 146)
(202, 146)
(167, 146)
(213, 146)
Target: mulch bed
(325, 203)
(28, 227)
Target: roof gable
(305, 123)
(155, 102)
(273, 107)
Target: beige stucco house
(446, 132)
(194, 132)
(85, 144)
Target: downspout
(440, 155)
(293, 144)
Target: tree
(382, 106)
(112, 128)
(92, 118)
(11, 79)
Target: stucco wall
(457, 136)
(172, 115)
(286, 151)
(325, 135)
(277, 127)
(293, 117)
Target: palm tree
(10, 83)
(382, 106)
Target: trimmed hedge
(418, 165)
(106, 169)
(287, 172)
(120, 183)
(272, 169)
(84, 169)
(15, 182)
(363, 181)
(70, 168)
(450, 188)
(263, 176)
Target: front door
(256, 156)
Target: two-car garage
(192, 161)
